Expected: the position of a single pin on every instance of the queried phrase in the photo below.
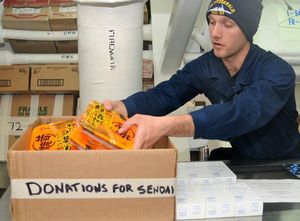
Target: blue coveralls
(255, 110)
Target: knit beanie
(246, 13)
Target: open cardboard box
(61, 185)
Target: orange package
(105, 124)
(53, 136)
(83, 141)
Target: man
(251, 91)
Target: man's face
(226, 36)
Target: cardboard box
(66, 46)
(28, 46)
(204, 201)
(4, 179)
(10, 76)
(189, 205)
(204, 172)
(17, 112)
(35, 19)
(147, 86)
(54, 79)
(146, 15)
(148, 70)
(247, 202)
(92, 184)
(62, 2)
(26, 3)
(64, 18)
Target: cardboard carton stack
(148, 75)
(63, 17)
(40, 15)
(44, 15)
(28, 15)
(29, 91)
(209, 190)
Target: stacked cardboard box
(217, 201)
(10, 82)
(41, 15)
(54, 79)
(209, 190)
(63, 17)
(14, 79)
(29, 91)
(148, 74)
(44, 15)
(28, 15)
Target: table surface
(246, 170)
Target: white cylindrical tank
(110, 49)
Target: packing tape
(58, 105)
(5, 109)
(92, 188)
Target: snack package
(81, 140)
(105, 124)
(53, 136)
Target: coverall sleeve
(254, 106)
(166, 96)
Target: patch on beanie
(221, 7)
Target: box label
(50, 82)
(26, 10)
(14, 125)
(5, 83)
(91, 188)
(68, 9)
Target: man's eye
(228, 25)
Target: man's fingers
(107, 104)
(125, 126)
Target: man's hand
(117, 106)
(150, 129)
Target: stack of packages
(210, 190)
(95, 129)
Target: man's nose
(216, 31)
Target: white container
(110, 49)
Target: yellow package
(53, 136)
(82, 140)
(105, 124)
